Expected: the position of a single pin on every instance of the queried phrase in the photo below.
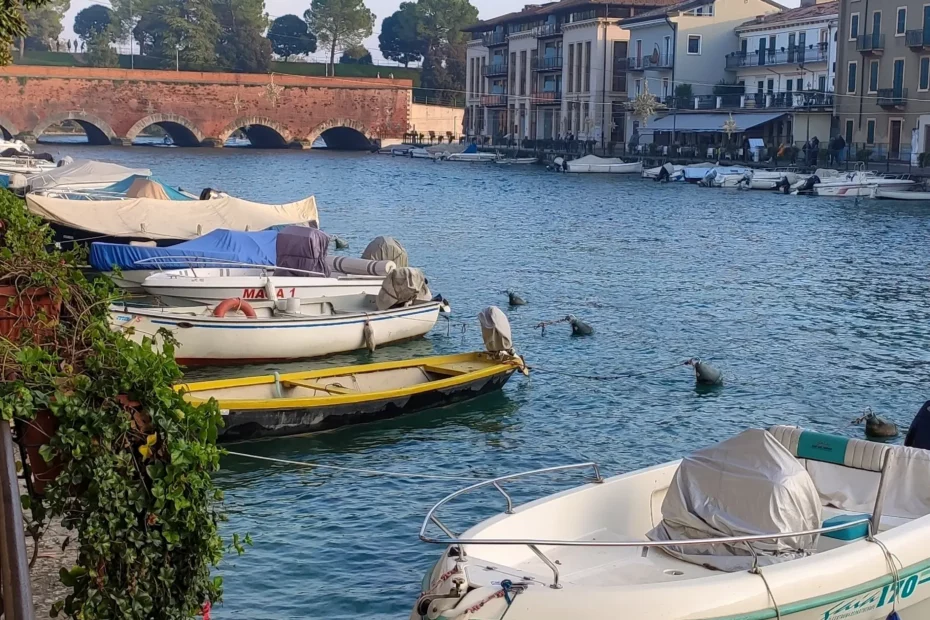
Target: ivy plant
(135, 484)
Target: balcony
(494, 38)
(658, 62)
(494, 101)
(796, 55)
(634, 64)
(553, 63)
(796, 100)
(495, 69)
(892, 97)
(917, 39)
(548, 30)
(871, 44)
(549, 97)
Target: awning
(709, 122)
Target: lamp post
(177, 58)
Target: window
(771, 86)
(760, 86)
(694, 44)
(587, 67)
(853, 26)
(788, 86)
(637, 87)
(923, 83)
(579, 62)
(534, 58)
(822, 83)
(901, 22)
(873, 76)
(665, 92)
(523, 72)
(571, 67)
(513, 73)
(851, 78)
(850, 124)
(870, 131)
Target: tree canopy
(439, 25)
(340, 24)
(399, 39)
(93, 20)
(290, 36)
(241, 45)
(44, 23)
(356, 55)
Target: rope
(768, 589)
(893, 568)
(370, 472)
(627, 375)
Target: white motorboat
(421, 153)
(516, 161)
(771, 179)
(782, 523)
(214, 284)
(697, 172)
(594, 164)
(25, 164)
(470, 154)
(312, 328)
(9, 146)
(885, 194)
(861, 183)
(675, 174)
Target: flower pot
(23, 313)
(33, 435)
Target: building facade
(551, 71)
(883, 77)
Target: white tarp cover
(745, 486)
(495, 330)
(401, 288)
(594, 160)
(148, 218)
(84, 172)
(386, 248)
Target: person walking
(840, 149)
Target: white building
(551, 70)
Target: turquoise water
(814, 308)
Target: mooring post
(14, 565)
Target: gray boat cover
(402, 287)
(386, 248)
(82, 172)
(360, 266)
(299, 249)
(495, 330)
(748, 485)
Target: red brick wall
(121, 102)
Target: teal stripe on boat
(822, 447)
(827, 599)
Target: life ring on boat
(234, 303)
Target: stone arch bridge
(114, 106)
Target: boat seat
(444, 370)
(331, 389)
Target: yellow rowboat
(303, 402)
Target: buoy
(579, 327)
(877, 427)
(340, 243)
(234, 303)
(515, 300)
(270, 291)
(368, 335)
(704, 373)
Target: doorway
(894, 140)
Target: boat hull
(902, 195)
(631, 168)
(853, 190)
(243, 424)
(207, 340)
(252, 289)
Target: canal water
(815, 309)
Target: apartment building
(883, 77)
(551, 70)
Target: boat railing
(535, 544)
(206, 262)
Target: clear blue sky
(381, 8)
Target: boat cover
(402, 287)
(83, 172)
(495, 330)
(594, 160)
(146, 218)
(125, 186)
(386, 248)
(360, 266)
(300, 249)
(748, 485)
(253, 248)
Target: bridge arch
(98, 130)
(262, 132)
(342, 134)
(7, 128)
(182, 131)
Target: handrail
(534, 544)
(220, 262)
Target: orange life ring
(234, 303)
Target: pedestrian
(69, 44)
(745, 149)
(58, 45)
(806, 149)
(840, 149)
(918, 435)
(815, 150)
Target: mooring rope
(626, 375)
(355, 470)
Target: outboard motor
(44, 157)
(809, 184)
(784, 185)
(665, 173)
(495, 332)
(386, 249)
(64, 161)
(708, 180)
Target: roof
(677, 7)
(709, 122)
(824, 10)
(542, 10)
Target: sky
(381, 9)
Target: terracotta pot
(33, 435)
(23, 313)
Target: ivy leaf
(26, 501)
(47, 453)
